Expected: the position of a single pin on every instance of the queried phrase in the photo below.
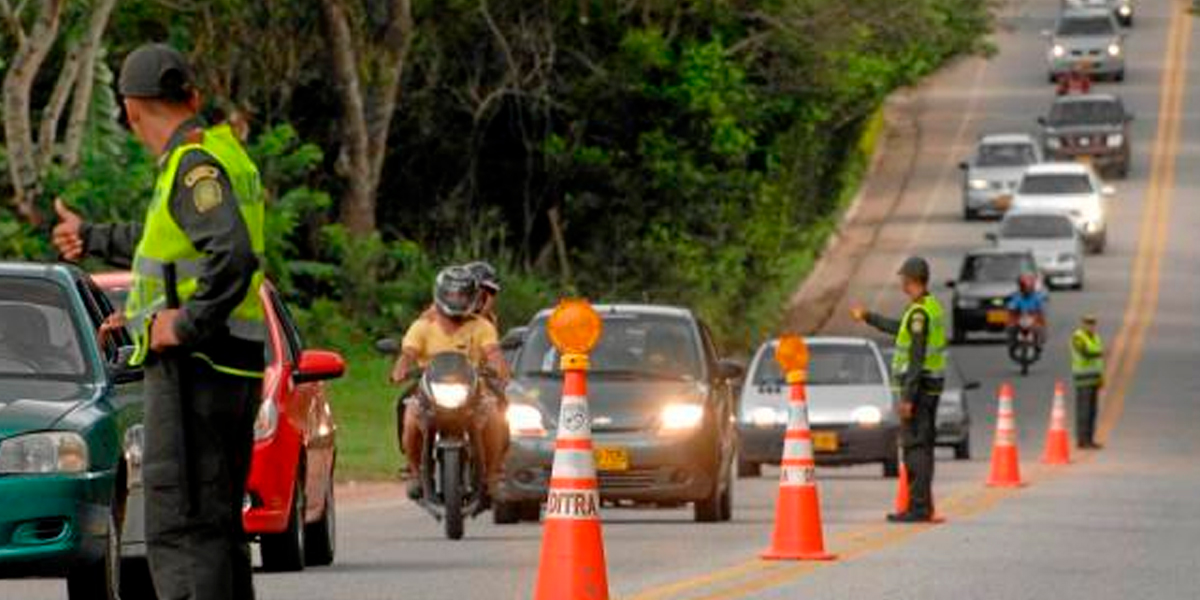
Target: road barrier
(798, 534)
(1006, 468)
(1058, 441)
(572, 564)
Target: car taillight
(267, 420)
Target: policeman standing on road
(918, 368)
(1087, 369)
(201, 342)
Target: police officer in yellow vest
(1087, 369)
(204, 359)
(918, 368)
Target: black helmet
(915, 268)
(455, 291)
(485, 274)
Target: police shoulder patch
(207, 195)
(916, 323)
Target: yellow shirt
(426, 338)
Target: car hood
(1066, 203)
(1086, 42)
(615, 404)
(33, 405)
(1083, 128)
(1008, 175)
(985, 289)
(1044, 251)
(827, 404)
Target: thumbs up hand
(67, 236)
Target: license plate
(1084, 159)
(1003, 202)
(612, 459)
(825, 441)
(997, 317)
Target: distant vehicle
(1053, 240)
(661, 403)
(954, 408)
(987, 277)
(510, 344)
(851, 407)
(1088, 40)
(1121, 9)
(70, 434)
(992, 172)
(1091, 129)
(1073, 189)
(289, 494)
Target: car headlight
(679, 417)
(1114, 49)
(525, 421)
(1094, 213)
(766, 416)
(968, 303)
(1114, 140)
(979, 184)
(449, 395)
(867, 416)
(1058, 50)
(1125, 10)
(267, 420)
(44, 452)
(1053, 143)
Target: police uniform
(1087, 370)
(918, 371)
(205, 220)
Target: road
(1119, 523)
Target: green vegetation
(680, 151)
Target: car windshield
(1005, 155)
(994, 267)
(1065, 183)
(1075, 112)
(633, 345)
(38, 336)
(1078, 26)
(828, 364)
(1037, 227)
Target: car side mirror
(514, 338)
(319, 365)
(119, 369)
(730, 370)
(387, 346)
(1108, 190)
(991, 237)
(971, 386)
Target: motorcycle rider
(1028, 300)
(1075, 81)
(452, 327)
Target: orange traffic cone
(1058, 441)
(1006, 469)
(902, 493)
(798, 534)
(572, 562)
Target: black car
(662, 405)
(987, 278)
(1089, 128)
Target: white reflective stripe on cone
(797, 448)
(573, 464)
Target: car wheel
(962, 450)
(727, 501)
(531, 512)
(1120, 76)
(969, 215)
(891, 467)
(320, 538)
(285, 551)
(708, 510)
(958, 334)
(100, 580)
(747, 469)
(506, 513)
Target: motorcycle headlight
(979, 184)
(867, 416)
(766, 416)
(1114, 49)
(680, 417)
(1058, 50)
(1053, 143)
(44, 452)
(1114, 140)
(525, 421)
(267, 420)
(449, 395)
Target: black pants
(918, 435)
(203, 555)
(1086, 406)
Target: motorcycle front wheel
(452, 492)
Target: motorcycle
(1025, 341)
(448, 396)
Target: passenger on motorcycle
(489, 289)
(452, 326)
(1028, 300)
(1075, 81)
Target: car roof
(1058, 168)
(1037, 212)
(996, 251)
(633, 309)
(828, 340)
(1006, 138)
(41, 270)
(1088, 97)
(1083, 13)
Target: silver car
(992, 172)
(1054, 240)
(954, 408)
(850, 407)
(1087, 40)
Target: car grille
(627, 480)
(1083, 53)
(1083, 141)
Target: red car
(289, 503)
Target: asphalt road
(1119, 523)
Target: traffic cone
(1058, 441)
(902, 496)
(572, 562)
(798, 534)
(1006, 469)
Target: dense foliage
(685, 151)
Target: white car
(992, 171)
(1052, 238)
(1072, 188)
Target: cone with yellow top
(572, 562)
(798, 534)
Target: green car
(70, 433)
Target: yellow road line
(1145, 280)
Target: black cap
(916, 268)
(155, 71)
